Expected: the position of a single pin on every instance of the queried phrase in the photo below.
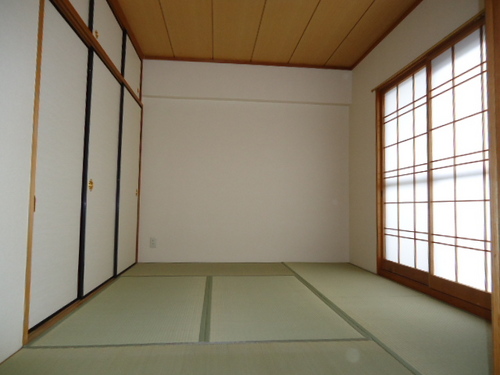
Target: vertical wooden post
(493, 43)
(32, 207)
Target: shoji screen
(129, 183)
(59, 168)
(102, 170)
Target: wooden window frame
(462, 296)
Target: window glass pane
(470, 220)
(390, 101)
(468, 53)
(391, 248)
(443, 184)
(405, 93)
(405, 126)
(470, 181)
(391, 158)
(444, 261)
(391, 190)
(406, 188)
(407, 252)
(422, 248)
(469, 135)
(406, 217)
(442, 109)
(488, 220)
(420, 120)
(391, 216)
(488, 272)
(442, 143)
(406, 154)
(391, 132)
(468, 98)
(420, 84)
(441, 69)
(421, 188)
(485, 92)
(421, 150)
(443, 219)
(471, 268)
(421, 216)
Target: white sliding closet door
(129, 183)
(56, 232)
(102, 169)
(108, 32)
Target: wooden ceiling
(313, 33)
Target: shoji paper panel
(59, 168)
(133, 68)
(103, 154)
(129, 183)
(109, 31)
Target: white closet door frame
(99, 244)
(129, 183)
(56, 229)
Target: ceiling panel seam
(258, 30)
(350, 31)
(166, 27)
(304, 31)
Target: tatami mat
(271, 308)
(299, 358)
(296, 318)
(135, 311)
(208, 269)
(431, 336)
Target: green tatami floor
(258, 318)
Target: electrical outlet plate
(152, 242)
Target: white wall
(428, 24)
(18, 38)
(244, 163)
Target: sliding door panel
(133, 68)
(82, 7)
(101, 184)
(129, 183)
(108, 32)
(56, 228)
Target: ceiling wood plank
(236, 24)
(146, 22)
(331, 23)
(189, 24)
(282, 26)
(374, 25)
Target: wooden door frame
(493, 35)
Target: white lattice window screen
(435, 170)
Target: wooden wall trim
(237, 62)
(73, 18)
(493, 40)
(454, 301)
(34, 151)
